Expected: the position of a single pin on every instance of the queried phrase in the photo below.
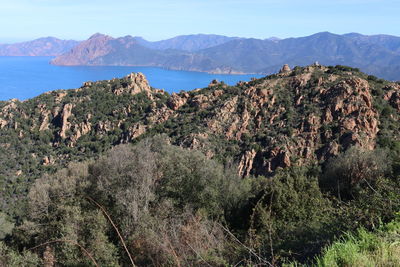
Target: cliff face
(290, 119)
(294, 117)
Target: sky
(23, 20)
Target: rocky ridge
(298, 116)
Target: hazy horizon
(160, 19)
(154, 40)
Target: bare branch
(70, 242)
(116, 229)
(246, 247)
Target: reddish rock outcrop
(65, 124)
(246, 163)
(285, 69)
(138, 83)
(176, 101)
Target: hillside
(377, 54)
(304, 115)
(279, 167)
(48, 46)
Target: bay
(27, 77)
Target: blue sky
(160, 19)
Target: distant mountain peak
(324, 34)
(99, 35)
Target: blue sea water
(27, 77)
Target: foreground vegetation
(363, 248)
(175, 207)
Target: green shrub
(6, 225)
(292, 219)
(165, 200)
(365, 249)
(353, 170)
(11, 258)
(60, 213)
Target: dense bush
(175, 207)
(291, 218)
(169, 205)
(357, 168)
(11, 258)
(6, 225)
(60, 213)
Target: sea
(27, 77)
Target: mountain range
(376, 54)
(47, 46)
